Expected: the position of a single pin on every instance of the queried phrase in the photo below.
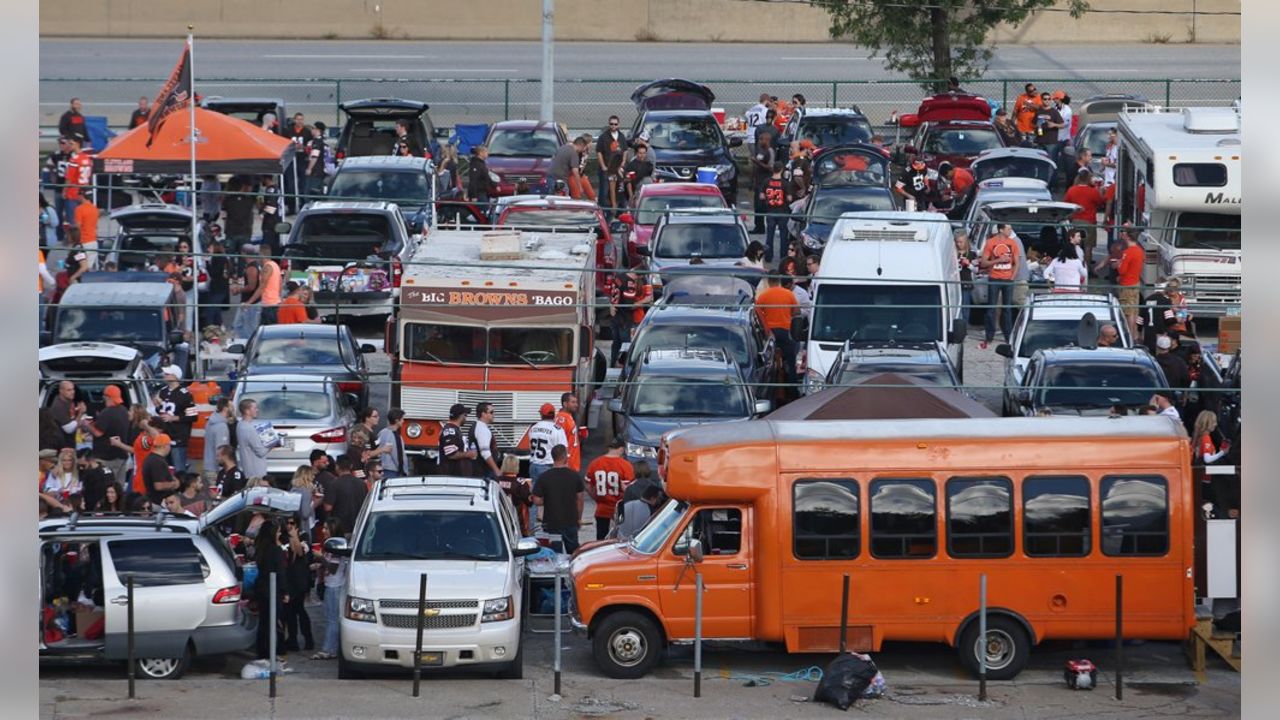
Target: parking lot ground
(923, 681)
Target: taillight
(339, 154)
(397, 272)
(350, 387)
(333, 435)
(227, 596)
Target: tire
(347, 670)
(1008, 647)
(163, 668)
(514, 670)
(627, 645)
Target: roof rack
(439, 481)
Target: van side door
(169, 594)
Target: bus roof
(447, 255)
(1200, 128)
(1174, 142)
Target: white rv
(1179, 174)
(885, 277)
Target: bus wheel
(1007, 647)
(626, 645)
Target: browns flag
(175, 95)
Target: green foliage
(932, 39)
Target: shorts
(1129, 299)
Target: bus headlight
(414, 431)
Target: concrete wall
(615, 20)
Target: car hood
(447, 579)
(649, 430)
(519, 164)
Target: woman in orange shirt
(140, 422)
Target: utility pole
(547, 111)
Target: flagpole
(195, 218)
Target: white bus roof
(1170, 138)
(1199, 128)
(448, 256)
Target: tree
(932, 40)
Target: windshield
(1208, 231)
(1098, 385)
(848, 167)
(431, 535)
(523, 143)
(722, 240)
(857, 373)
(531, 346)
(549, 218)
(109, 324)
(652, 207)
(461, 344)
(1095, 138)
(828, 207)
(1015, 167)
(967, 141)
(701, 337)
(1047, 334)
(652, 536)
(886, 313)
(299, 351)
(825, 132)
(683, 133)
(683, 396)
(405, 188)
(291, 404)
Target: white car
(307, 412)
(463, 534)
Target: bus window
(903, 519)
(1055, 516)
(979, 517)
(1199, 174)
(1135, 515)
(824, 519)
(460, 344)
(719, 529)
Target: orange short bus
(1050, 509)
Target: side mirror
(763, 406)
(695, 551)
(643, 250)
(1003, 350)
(627, 218)
(525, 547)
(237, 349)
(337, 546)
(283, 228)
(735, 142)
(367, 348)
(615, 405)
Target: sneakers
(323, 656)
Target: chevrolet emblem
(430, 612)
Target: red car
(520, 152)
(655, 198)
(558, 212)
(951, 127)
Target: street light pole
(547, 111)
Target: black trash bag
(844, 680)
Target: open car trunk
(672, 94)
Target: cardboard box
(1229, 334)
(86, 619)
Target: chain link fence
(584, 105)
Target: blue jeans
(966, 303)
(178, 458)
(333, 598)
(1000, 300)
(534, 472)
(247, 319)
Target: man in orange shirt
(1000, 258)
(566, 420)
(607, 477)
(1088, 195)
(293, 309)
(1129, 276)
(1024, 109)
(777, 306)
(86, 216)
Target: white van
(463, 533)
(885, 277)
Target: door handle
(120, 600)
(737, 566)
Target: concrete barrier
(585, 20)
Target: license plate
(432, 658)
(286, 443)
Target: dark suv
(409, 182)
(1078, 381)
(670, 388)
(675, 120)
(370, 128)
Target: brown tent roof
(870, 399)
(224, 144)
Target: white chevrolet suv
(463, 534)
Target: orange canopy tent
(224, 145)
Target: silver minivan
(186, 585)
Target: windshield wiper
(430, 355)
(520, 357)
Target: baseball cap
(1058, 94)
(173, 370)
(48, 454)
(161, 439)
(617, 442)
(112, 392)
(458, 409)
(1163, 342)
(547, 410)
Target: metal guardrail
(585, 104)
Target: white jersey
(755, 117)
(543, 436)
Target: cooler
(707, 175)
